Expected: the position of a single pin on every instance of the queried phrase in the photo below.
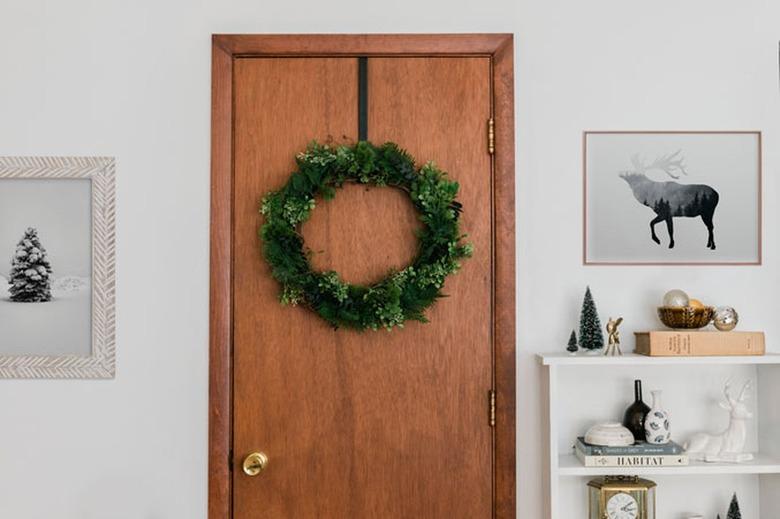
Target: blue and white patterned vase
(657, 430)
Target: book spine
(590, 450)
(633, 461)
(694, 344)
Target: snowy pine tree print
(30, 277)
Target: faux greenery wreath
(402, 295)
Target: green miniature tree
(591, 336)
(572, 347)
(30, 277)
(734, 512)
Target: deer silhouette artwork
(671, 200)
(729, 444)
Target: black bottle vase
(634, 419)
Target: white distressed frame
(101, 363)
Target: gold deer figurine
(613, 347)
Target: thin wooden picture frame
(587, 261)
(101, 362)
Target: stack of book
(692, 343)
(637, 455)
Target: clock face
(622, 506)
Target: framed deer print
(56, 267)
(665, 198)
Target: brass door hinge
(491, 128)
(492, 405)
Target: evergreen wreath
(402, 295)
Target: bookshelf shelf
(583, 389)
(632, 359)
(569, 465)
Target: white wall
(131, 79)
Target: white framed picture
(672, 197)
(57, 285)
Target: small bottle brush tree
(734, 512)
(572, 346)
(591, 336)
(30, 277)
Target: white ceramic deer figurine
(726, 446)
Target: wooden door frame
(225, 49)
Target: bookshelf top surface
(586, 359)
(569, 465)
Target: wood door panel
(437, 108)
(348, 235)
(371, 424)
(280, 105)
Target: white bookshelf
(570, 465)
(585, 389)
(632, 359)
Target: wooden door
(373, 424)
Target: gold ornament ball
(695, 303)
(676, 299)
(725, 318)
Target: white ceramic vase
(657, 430)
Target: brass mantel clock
(621, 497)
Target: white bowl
(610, 434)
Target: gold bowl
(686, 317)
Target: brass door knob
(255, 463)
